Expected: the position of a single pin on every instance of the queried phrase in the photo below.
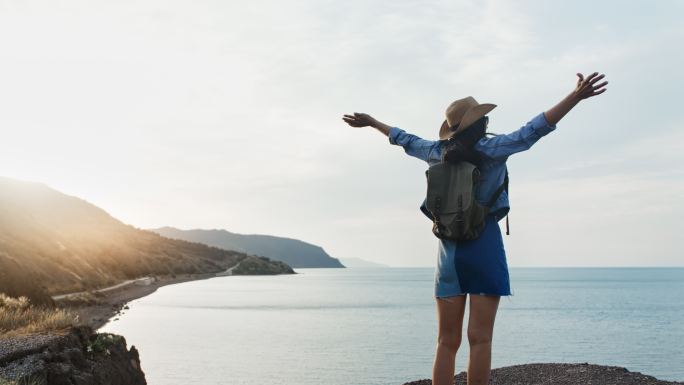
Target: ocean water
(378, 326)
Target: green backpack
(451, 189)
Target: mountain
(52, 243)
(358, 262)
(294, 252)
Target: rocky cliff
(76, 357)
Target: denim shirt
(496, 151)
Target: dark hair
(460, 147)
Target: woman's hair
(460, 147)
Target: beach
(112, 303)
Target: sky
(227, 115)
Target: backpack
(451, 189)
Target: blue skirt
(475, 267)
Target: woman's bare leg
(480, 332)
(450, 312)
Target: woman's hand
(359, 120)
(364, 120)
(587, 88)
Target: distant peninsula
(293, 252)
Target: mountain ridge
(294, 252)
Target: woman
(476, 267)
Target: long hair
(461, 147)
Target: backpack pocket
(451, 201)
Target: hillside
(295, 253)
(52, 243)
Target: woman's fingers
(358, 119)
(598, 92)
(581, 81)
(591, 76)
(600, 85)
(594, 80)
(586, 83)
(589, 86)
(591, 80)
(354, 121)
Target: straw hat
(461, 114)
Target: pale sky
(224, 114)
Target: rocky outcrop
(78, 357)
(561, 374)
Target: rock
(561, 374)
(79, 357)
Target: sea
(378, 326)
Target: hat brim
(470, 117)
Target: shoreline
(113, 302)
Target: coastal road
(140, 281)
(229, 271)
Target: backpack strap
(495, 196)
(507, 230)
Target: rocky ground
(561, 374)
(74, 357)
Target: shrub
(18, 316)
(103, 342)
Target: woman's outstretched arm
(413, 145)
(586, 88)
(501, 147)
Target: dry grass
(18, 317)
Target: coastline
(113, 302)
